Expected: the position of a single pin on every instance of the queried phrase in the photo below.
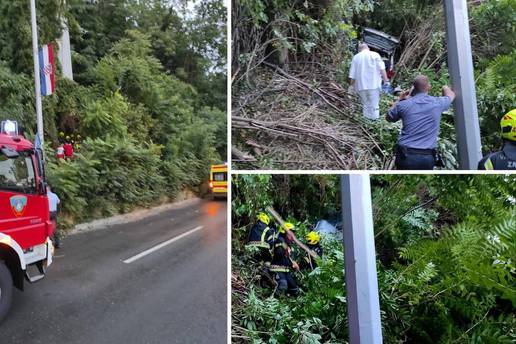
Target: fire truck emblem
(18, 204)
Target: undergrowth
(445, 250)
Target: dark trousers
(262, 255)
(286, 284)
(414, 161)
(57, 237)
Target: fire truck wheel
(6, 290)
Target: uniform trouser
(412, 161)
(286, 283)
(370, 103)
(262, 255)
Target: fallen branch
(296, 240)
(241, 155)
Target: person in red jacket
(68, 149)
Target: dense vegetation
(147, 106)
(445, 248)
(313, 41)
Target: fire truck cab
(25, 225)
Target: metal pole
(360, 261)
(37, 81)
(460, 64)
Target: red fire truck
(25, 226)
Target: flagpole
(37, 82)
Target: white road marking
(163, 244)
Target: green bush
(496, 96)
(108, 176)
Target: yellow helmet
(313, 238)
(286, 227)
(508, 125)
(264, 218)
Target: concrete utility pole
(65, 53)
(360, 261)
(37, 81)
(460, 64)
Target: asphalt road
(175, 294)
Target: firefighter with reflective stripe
(282, 263)
(313, 243)
(261, 238)
(504, 159)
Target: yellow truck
(219, 180)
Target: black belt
(405, 150)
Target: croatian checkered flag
(47, 69)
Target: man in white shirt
(365, 77)
(53, 201)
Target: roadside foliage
(146, 109)
(445, 247)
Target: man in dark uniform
(313, 243)
(261, 238)
(282, 263)
(504, 159)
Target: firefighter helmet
(264, 218)
(287, 226)
(313, 238)
(508, 125)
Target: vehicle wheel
(6, 290)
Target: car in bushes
(384, 44)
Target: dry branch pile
(423, 44)
(301, 119)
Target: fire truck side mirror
(9, 152)
(9, 127)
